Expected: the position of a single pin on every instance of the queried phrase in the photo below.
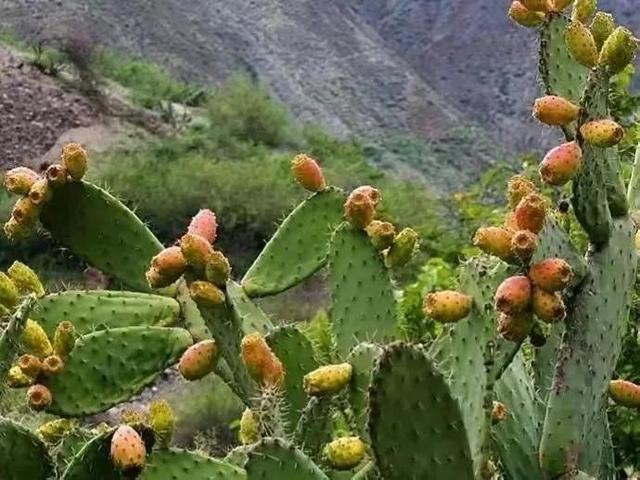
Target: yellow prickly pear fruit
(381, 234)
(56, 430)
(403, 247)
(519, 187)
(548, 306)
(9, 294)
(536, 5)
(128, 452)
(15, 230)
(498, 412)
(583, 10)
(52, 365)
(40, 192)
(196, 250)
(25, 211)
(34, 340)
(555, 111)
(25, 279)
(602, 26)
(30, 365)
(359, 209)
(198, 360)
(308, 173)
(39, 397)
(166, 267)
(513, 295)
(495, 241)
(618, 50)
(217, 269)
(206, 294)
(262, 364)
(581, 44)
(328, 379)
(56, 175)
(559, 5)
(625, 393)
(531, 213)
(162, 420)
(551, 274)
(249, 427)
(523, 16)
(447, 306)
(20, 180)
(515, 328)
(602, 133)
(204, 224)
(561, 164)
(524, 244)
(345, 453)
(16, 378)
(75, 160)
(64, 339)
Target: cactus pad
(93, 461)
(274, 459)
(22, 454)
(249, 315)
(554, 241)
(191, 315)
(362, 358)
(10, 339)
(180, 464)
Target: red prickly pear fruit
(206, 294)
(495, 241)
(531, 212)
(555, 111)
(198, 360)
(308, 173)
(217, 269)
(369, 191)
(360, 208)
(548, 306)
(618, 50)
(581, 44)
(447, 306)
(602, 133)
(39, 397)
(19, 180)
(583, 10)
(513, 295)
(56, 175)
(262, 364)
(75, 160)
(403, 248)
(559, 5)
(381, 234)
(561, 164)
(515, 328)
(30, 365)
(519, 187)
(40, 192)
(625, 393)
(128, 452)
(25, 211)
(204, 224)
(498, 412)
(524, 244)
(166, 267)
(523, 16)
(602, 26)
(536, 5)
(196, 250)
(52, 365)
(551, 274)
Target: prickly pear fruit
(262, 364)
(249, 427)
(515, 328)
(19, 180)
(52, 365)
(551, 274)
(523, 16)
(206, 294)
(513, 295)
(128, 452)
(34, 340)
(40, 192)
(359, 209)
(510, 222)
(618, 50)
(602, 26)
(64, 339)
(536, 5)
(30, 365)
(583, 10)
(548, 306)
(162, 420)
(56, 175)
(498, 412)
(166, 267)
(38, 397)
(625, 393)
(25, 279)
(519, 187)
(217, 269)
(561, 163)
(581, 44)
(447, 306)
(403, 248)
(555, 111)
(559, 5)
(602, 133)
(196, 250)
(16, 378)
(55, 430)
(531, 212)
(524, 244)
(381, 234)
(15, 230)
(495, 241)
(308, 173)
(198, 360)
(204, 224)
(372, 193)
(9, 294)
(75, 160)
(345, 453)
(328, 379)
(25, 211)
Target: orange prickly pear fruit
(345, 453)
(618, 50)
(128, 452)
(602, 26)
(206, 294)
(495, 241)
(217, 269)
(52, 365)
(166, 267)
(56, 175)
(523, 16)
(548, 306)
(195, 250)
(625, 393)
(524, 244)
(498, 412)
(381, 234)
(204, 224)
(369, 191)
(26, 211)
(513, 295)
(555, 111)
(360, 207)
(39, 397)
(30, 365)
(561, 164)
(515, 328)
(19, 180)
(75, 160)
(447, 306)
(308, 173)
(262, 364)
(198, 360)
(510, 222)
(519, 187)
(583, 10)
(581, 44)
(40, 192)
(328, 379)
(531, 212)
(551, 274)
(536, 5)
(602, 133)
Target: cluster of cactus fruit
(514, 385)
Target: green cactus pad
(110, 366)
(362, 358)
(295, 351)
(416, 426)
(274, 459)
(98, 310)
(598, 458)
(517, 437)
(22, 454)
(314, 429)
(238, 456)
(299, 247)
(93, 461)
(544, 361)
(10, 339)
(191, 315)
(589, 350)
(98, 228)
(362, 302)
(249, 315)
(554, 241)
(175, 464)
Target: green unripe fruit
(249, 427)
(403, 248)
(25, 279)
(602, 27)
(345, 453)
(34, 340)
(217, 269)
(55, 430)
(327, 380)
(618, 50)
(583, 10)
(162, 420)
(9, 293)
(581, 44)
(16, 378)
(64, 339)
